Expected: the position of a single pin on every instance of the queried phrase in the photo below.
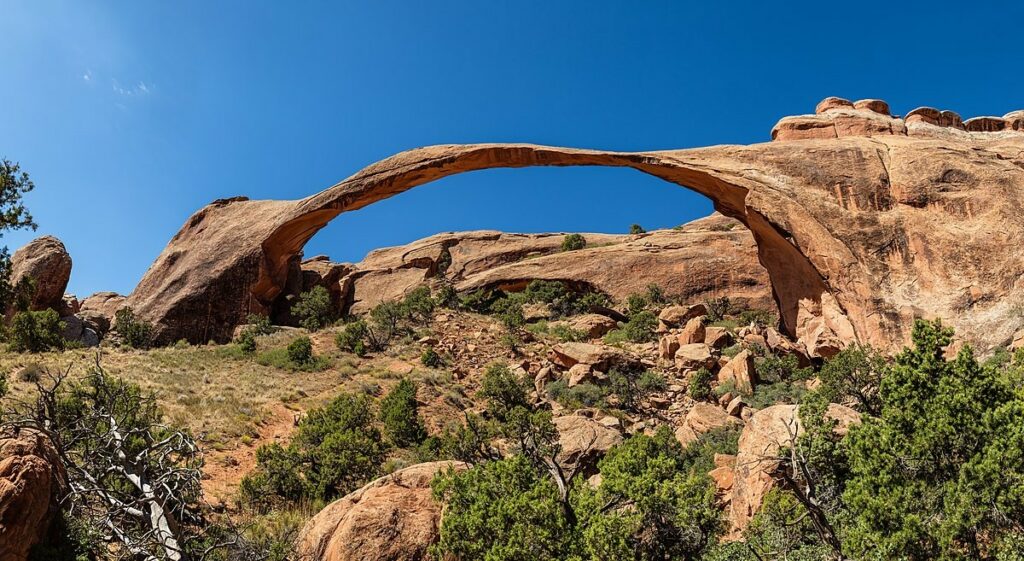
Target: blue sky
(130, 116)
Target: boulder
(599, 357)
(594, 325)
(584, 441)
(717, 337)
(767, 431)
(740, 372)
(390, 519)
(100, 309)
(47, 264)
(32, 482)
(692, 357)
(579, 373)
(693, 332)
(702, 418)
(667, 346)
(677, 316)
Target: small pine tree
(314, 308)
(399, 413)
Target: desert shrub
(351, 337)
(854, 376)
(3, 384)
(477, 300)
(431, 358)
(772, 393)
(259, 324)
(503, 390)
(632, 386)
(419, 306)
(444, 260)
(639, 329)
(446, 296)
(652, 297)
(399, 413)
(300, 351)
(717, 308)
(314, 308)
(573, 242)
(386, 324)
(580, 395)
(565, 334)
(501, 511)
(636, 229)
(335, 450)
(297, 356)
(509, 311)
(775, 368)
(699, 387)
(35, 332)
(247, 342)
(764, 318)
(135, 333)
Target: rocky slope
(707, 258)
(863, 220)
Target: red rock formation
(32, 481)
(706, 258)
(392, 518)
(47, 263)
(863, 221)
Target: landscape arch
(274, 232)
(863, 221)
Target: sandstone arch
(849, 209)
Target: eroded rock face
(47, 262)
(864, 222)
(393, 518)
(32, 480)
(703, 259)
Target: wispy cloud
(138, 89)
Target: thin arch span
(413, 168)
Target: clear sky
(130, 116)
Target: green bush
(247, 342)
(566, 334)
(350, 338)
(573, 242)
(135, 333)
(35, 332)
(446, 296)
(314, 308)
(503, 390)
(297, 356)
(300, 351)
(717, 308)
(431, 359)
(399, 413)
(636, 229)
(700, 385)
(335, 450)
(632, 386)
(639, 329)
(580, 395)
(419, 306)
